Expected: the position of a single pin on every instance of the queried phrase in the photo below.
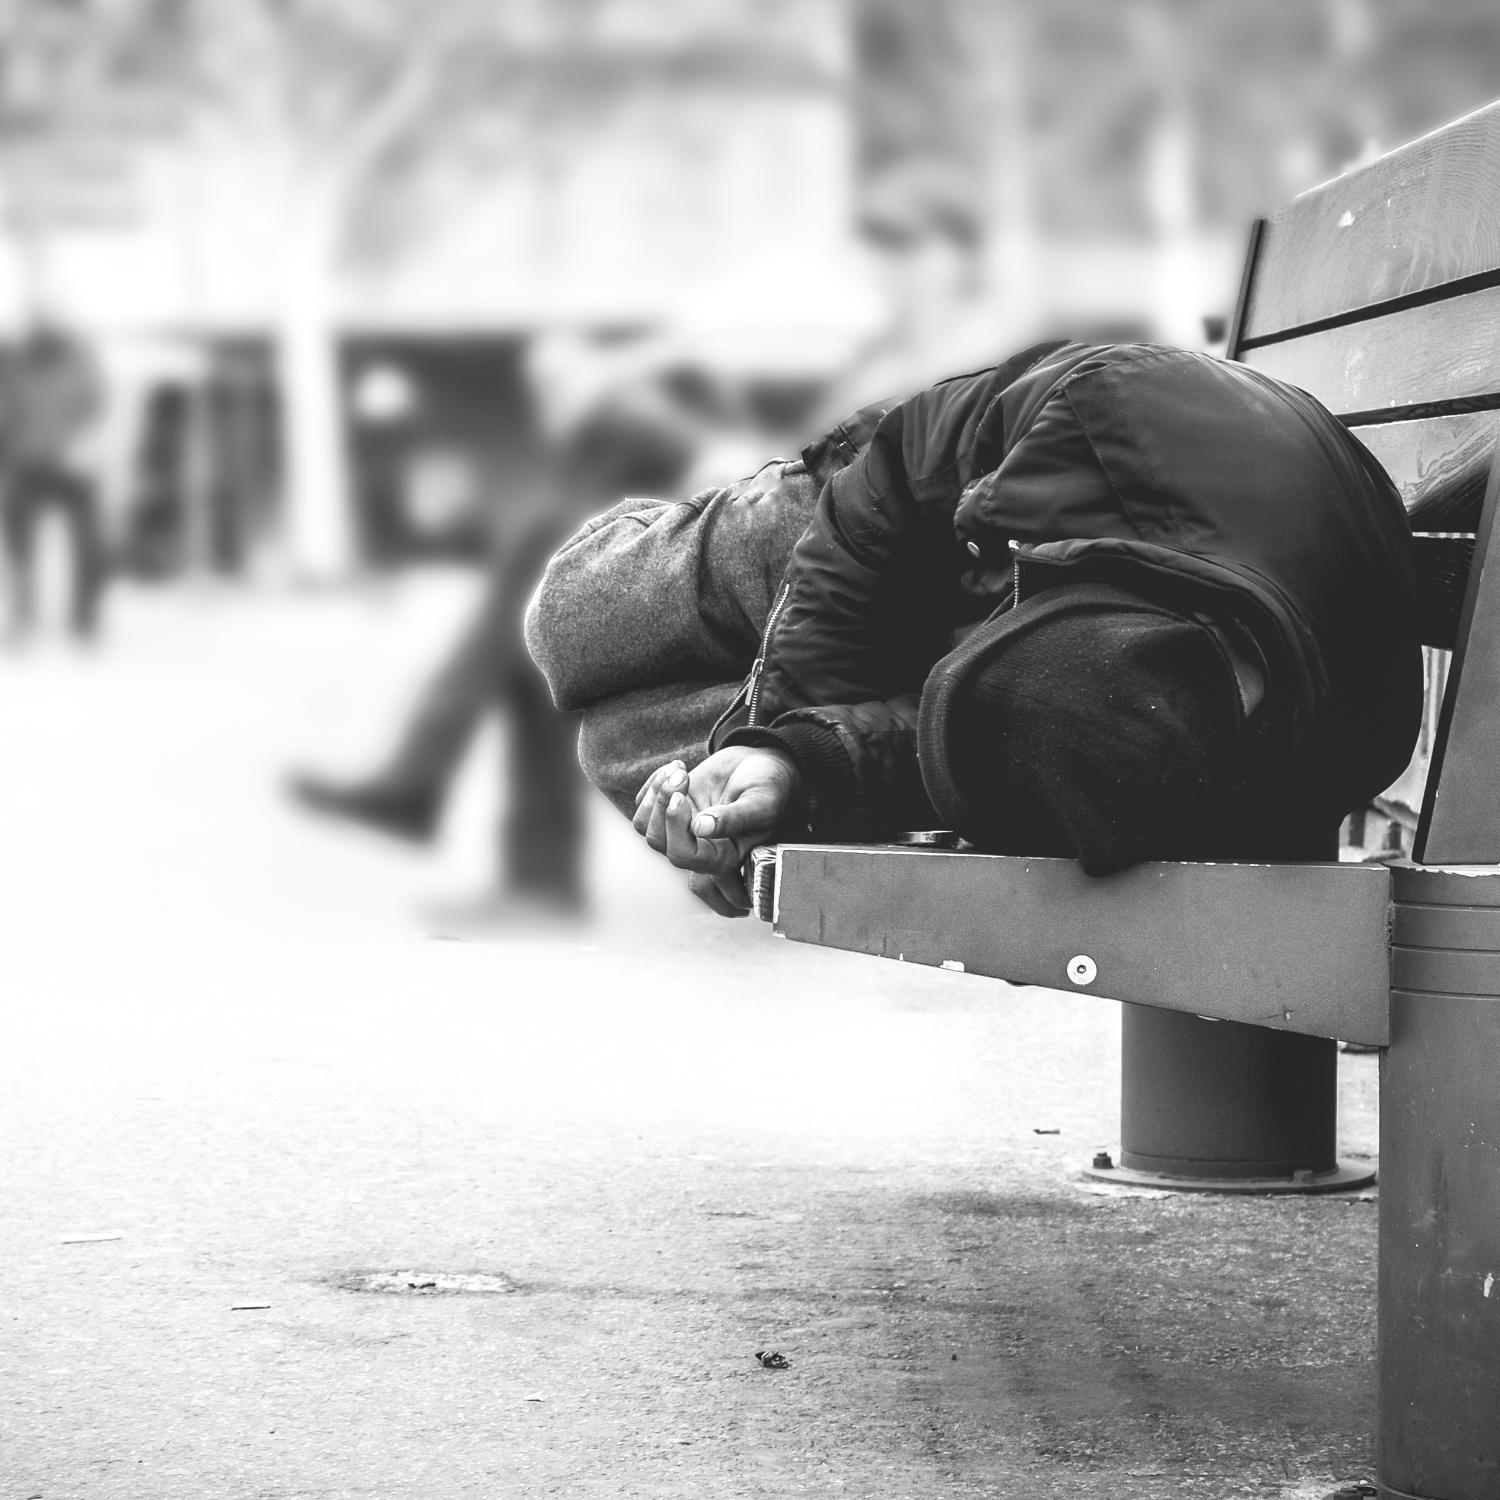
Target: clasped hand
(709, 819)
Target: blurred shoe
(397, 812)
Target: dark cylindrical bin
(1222, 1100)
(1439, 1435)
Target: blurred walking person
(630, 437)
(51, 399)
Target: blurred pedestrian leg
(35, 493)
(404, 797)
(485, 669)
(540, 856)
(542, 821)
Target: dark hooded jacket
(1197, 482)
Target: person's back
(1195, 482)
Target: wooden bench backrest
(1379, 292)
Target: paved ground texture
(299, 1200)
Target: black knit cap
(1088, 722)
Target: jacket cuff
(841, 445)
(823, 762)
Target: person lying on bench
(1114, 603)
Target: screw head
(1082, 969)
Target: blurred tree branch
(351, 125)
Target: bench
(1379, 292)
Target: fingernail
(704, 825)
(675, 802)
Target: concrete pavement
(297, 1201)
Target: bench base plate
(1340, 1179)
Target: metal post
(1439, 1419)
(1221, 1106)
(1218, 1104)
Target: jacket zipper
(1020, 553)
(758, 666)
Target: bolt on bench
(1378, 292)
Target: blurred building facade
(253, 207)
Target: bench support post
(1227, 1107)
(1215, 1105)
(1286, 956)
(1439, 1420)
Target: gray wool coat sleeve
(656, 592)
(623, 739)
(649, 616)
